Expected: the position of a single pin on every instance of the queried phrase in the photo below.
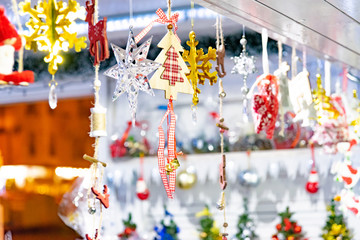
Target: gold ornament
(323, 103)
(193, 57)
(186, 179)
(51, 27)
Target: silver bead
(222, 95)
(92, 210)
(243, 41)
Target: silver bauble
(249, 178)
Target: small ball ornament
(249, 178)
(186, 179)
(92, 210)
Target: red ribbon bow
(163, 19)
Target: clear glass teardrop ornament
(52, 96)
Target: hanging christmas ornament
(52, 29)
(312, 185)
(220, 48)
(265, 103)
(281, 74)
(332, 127)
(300, 94)
(97, 33)
(292, 132)
(249, 177)
(222, 166)
(187, 178)
(323, 105)
(131, 71)
(142, 190)
(170, 77)
(10, 41)
(196, 60)
(244, 65)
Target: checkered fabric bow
(171, 147)
(266, 105)
(163, 19)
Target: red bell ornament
(312, 185)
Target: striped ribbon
(171, 146)
(163, 19)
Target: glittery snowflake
(244, 65)
(131, 71)
(51, 26)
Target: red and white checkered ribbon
(172, 68)
(171, 146)
(163, 19)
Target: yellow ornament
(196, 60)
(204, 213)
(323, 103)
(336, 229)
(51, 27)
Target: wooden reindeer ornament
(97, 35)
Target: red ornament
(312, 185)
(142, 192)
(103, 197)
(97, 33)
(297, 229)
(274, 237)
(278, 227)
(287, 224)
(266, 105)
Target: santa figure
(10, 41)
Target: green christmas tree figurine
(168, 229)
(209, 230)
(288, 229)
(335, 228)
(246, 225)
(129, 232)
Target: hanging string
(312, 156)
(222, 202)
(282, 117)
(169, 8)
(293, 62)
(265, 59)
(131, 12)
(327, 77)
(280, 50)
(304, 59)
(217, 32)
(192, 15)
(21, 51)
